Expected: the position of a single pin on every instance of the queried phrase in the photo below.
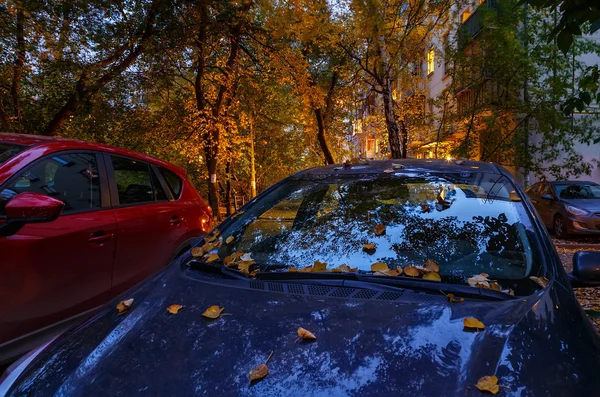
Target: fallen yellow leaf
(212, 258)
(541, 281)
(379, 267)
(124, 305)
(260, 371)
(292, 269)
(380, 230)
(197, 252)
(411, 271)
(306, 334)
(244, 267)
(431, 266)
(344, 268)
(213, 312)
(319, 266)
(369, 248)
(229, 261)
(489, 384)
(432, 276)
(228, 240)
(452, 299)
(173, 309)
(306, 269)
(472, 322)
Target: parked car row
(414, 278)
(79, 224)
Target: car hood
(363, 346)
(592, 205)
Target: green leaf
(586, 97)
(564, 41)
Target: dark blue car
(417, 278)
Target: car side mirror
(547, 196)
(29, 208)
(586, 269)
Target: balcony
(475, 22)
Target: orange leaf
(431, 266)
(292, 269)
(228, 240)
(411, 271)
(452, 299)
(197, 251)
(212, 258)
(379, 267)
(472, 322)
(319, 266)
(380, 230)
(369, 248)
(228, 261)
(306, 269)
(489, 384)
(244, 267)
(213, 312)
(173, 309)
(124, 305)
(432, 276)
(344, 268)
(306, 334)
(260, 371)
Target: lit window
(430, 61)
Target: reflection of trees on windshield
(331, 222)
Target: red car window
(173, 181)
(136, 183)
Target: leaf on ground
(229, 240)
(369, 248)
(541, 281)
(306, 334)
(212, 258)
(213, 312)
(472, 322)
(319, 266)
(379, 267)
(432, 276)
(174, 309)
(453, 299)
(489, 384)
(124, 305)
(411, 271)
(431, 266)
(260, 371)
(388, 170)
(380, 230)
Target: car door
(150, 225)
(53, 271)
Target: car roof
(58, 144)
(415, 165)
(573, 183)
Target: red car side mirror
(29, 208)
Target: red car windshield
(8, 150)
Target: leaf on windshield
(174, 309)
(229, 261)
(212, 258)
(306, 334)
(389, 272)
(453, 299)
(369, 248)
(380, 230)
(489, 384)
(388, 170)
(260, 371)
(432, 276)
(541, 281)
(244, 267)
(229, 240)
(411, 271)
(197, 252)
(473, 323)
(509, 291)
(124, 305)
(425, 209)
(343, 268)
(292, 269)
(431, 266)
(306, 269)
(480, 280)
(213, 312)
(246, 257)
(319, 266)
(379, 267)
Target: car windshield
(468, 224)
(578, 191)
(7, 150)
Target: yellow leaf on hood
(213, 312)
(453, 299)
(212, 258)
(541, 281)
(431, 266)
(173, 309)
(197, 252)
(228, 261)
(489, 384)
(472, 322)
(432, 276)
(260, 371)
(380, 230)
(369, 248)
(319, 266)
(411, 271)
(124, 305)
(306, 334)
(244, 267)
(306, 269)
(343, 268)
(379, 267)
(228, 240)
(389, 272)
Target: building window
(430, 61)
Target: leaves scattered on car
(379, 230)
(473, 323)
(488, 384)
(174, 309)
(260, 371)
(213, 312)
(124, 305)
(306, 334)
(541, 281)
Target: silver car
(567, 207)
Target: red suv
(79, 224)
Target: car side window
(547, 189)
(173, 181)
(136, 183)
(533, 189)
(72, 178)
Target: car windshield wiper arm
(215, 267)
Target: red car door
(150, 225)
(53, 271)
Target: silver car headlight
(576, 211)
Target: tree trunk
(15, 89)
(403, 138)
(213, 185)
(228, 203)
(396, 145)
(321, 136)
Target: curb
(578, 246)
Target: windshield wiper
(350, 279)
(215, 267)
